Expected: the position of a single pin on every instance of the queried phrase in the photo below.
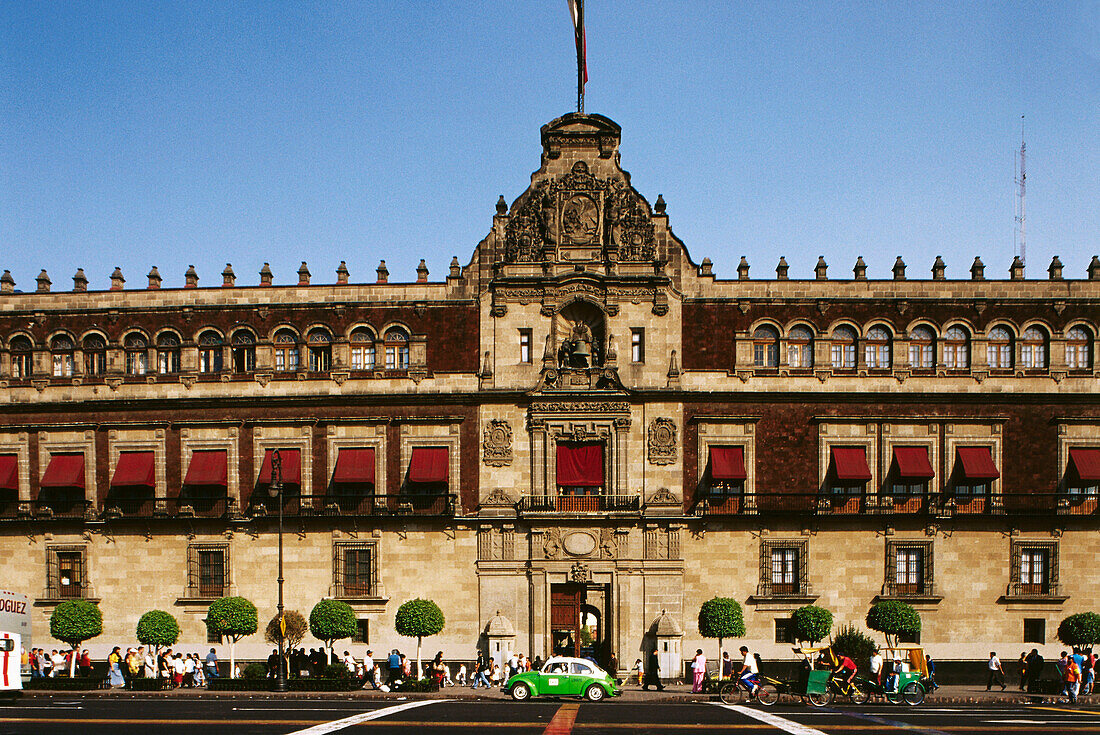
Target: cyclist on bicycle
(845, 669)
(749, 675)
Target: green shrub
(418, 619)
(323, 685)
(332, 620)
(721, 618)
(1081, 630)
(336, 671)
(81, 683)
(812, 623)
(237, 685)
(255, 670)
(417, 685)
(893, 618)
(148, 685)
(75, 621)
(232, 618)
(852, 642)
(157, 628)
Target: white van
(11, 680)
(15, 618)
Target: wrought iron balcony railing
(548, 504)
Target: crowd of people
(1076, 670)
(176, 668)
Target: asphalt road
(246, 716)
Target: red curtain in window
(429, 464)
(850, 463)
(354, 467)
(64, 470)
(290, 469)
(580, 465)
(9, 472)
(727, 463)
(135, 469)
(913, 463)
(977, 463)
(1085, 461)
(208, 467)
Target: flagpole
(580, 59)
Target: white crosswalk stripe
(363, 717)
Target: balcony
(578, 504)
(434, 504)
(815, 503)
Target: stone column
(619, 445)
(537, 429)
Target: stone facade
(578, 434)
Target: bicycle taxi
(816, 683)
(911, 669)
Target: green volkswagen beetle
(564, 677)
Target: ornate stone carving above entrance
(496, 443)
(662, 441)
(580, 573)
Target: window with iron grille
(1035, 630)
(355, 569)
(362, 631)
(784, 630)
(908, 568)
(1034, 568)
(783, 569)
(207, 570)
(66, 572)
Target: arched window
(876, 348)
(243, 350)
(765, 348)
(22, 353)
(320, 351)
(362, 349)
(998, 351)
(956, 349)
(61, 349)
(210, 352)
(800, 347)
(922, 348)
(287, 355)
(168, 353)
(1078, 349)
(397, 349)
(137, 353)
(843, 348)
(1033, 348)
(95, 355)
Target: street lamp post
(276, 491)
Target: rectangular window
(783, 569)
(637, 345)
(362, 631)
(65, 572)
(909, 637)
(211, 636)
(908, 568)
(1034, 568)
(525, 345)
(784, 630)
(207, 570)
(354, 569)
(1035, 630)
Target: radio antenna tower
(1021, 199)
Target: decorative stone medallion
(579, 543)
(496, 444)
(662, 441)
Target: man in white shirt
(749, 670)
(513, 665)
(368, 662)
(876, 666)
(996, 673)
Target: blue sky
(144, 133)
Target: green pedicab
(911, 669)
(816, 683)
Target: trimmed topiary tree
(416, 619)
(332, 620)
(296, 629)
(75, 621)
(721, 618)
(811, 623)
(893, 618)
(1080, 631)
(232, 618)
(852, 642)
(157, 628)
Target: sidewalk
(946, 694)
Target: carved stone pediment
(662, 441)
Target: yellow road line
(1063, 709)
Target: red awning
(580, 465)
(208, 467)
(354, 466)
(913, 463)
(977, 463)
(9, 472)
(290, 469)
(727, 463)
(1085, 461)
(850, 463)
(64, 470)
(429, 464)
(135, 469)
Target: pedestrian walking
(1023, 670)
(698, 670)
(212, 664)
(876, 666)
(636, 671)
(931, 673)
(1089, 673)
(996, 673)
(114, 668)
(1072, 679)
(652, 672)
(393, 662)
(1034, 664)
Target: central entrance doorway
(578, 615)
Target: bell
(582, 352)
